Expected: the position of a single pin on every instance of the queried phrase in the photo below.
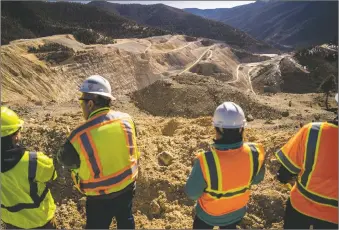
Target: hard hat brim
(103, 94)
(11, 129)
(230, 126)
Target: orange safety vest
(108, 153)
(313, 154)
(229, 174)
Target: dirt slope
(46, 129)
(301, 72)
(194, 96)
(24, 76)
(129, 64)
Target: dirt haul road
(197, 61)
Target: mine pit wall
(25, 77)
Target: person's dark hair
(100, 101)
(229, 136)
(7, 143)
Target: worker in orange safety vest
(312, 156)
(221, 178)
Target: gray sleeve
(260, 176)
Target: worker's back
(316, 191)
(26, 201)
(107, 143)
(229, 175)
(325, 166)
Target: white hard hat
(98, 85)
(336, 97)
(229, 115)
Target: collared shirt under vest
(229, 176)
(106, 144)
(313, 154)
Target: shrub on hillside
(52, 52)
(86, 36)
(106, 40)
(59, 56)
(48, 47)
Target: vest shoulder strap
(312, 141)
(254, 154)
(199, 153)
(111, 115)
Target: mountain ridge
(297, 24)
(39, 19)
(181, 22)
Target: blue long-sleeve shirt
(196, 185)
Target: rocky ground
(160, 199)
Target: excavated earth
(47, 127)
(172, 108)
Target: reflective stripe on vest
(311, 152)
(214, 174)
(99, 119)
(316, 198)
(287, 163)
(255, 160)
(129, 136)
(110, 181)
(98, 181)
(32, 168)
(91, 155)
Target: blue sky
(193, 4)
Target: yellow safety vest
(106, 144)
(26, 201)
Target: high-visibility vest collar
(98, 111)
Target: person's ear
(90, 104)
(16, 138)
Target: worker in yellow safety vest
(102, 155)
(221, 178)
(312, 157)
(26, 201)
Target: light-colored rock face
(129, 65)
(26, 77)
(133, 64)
